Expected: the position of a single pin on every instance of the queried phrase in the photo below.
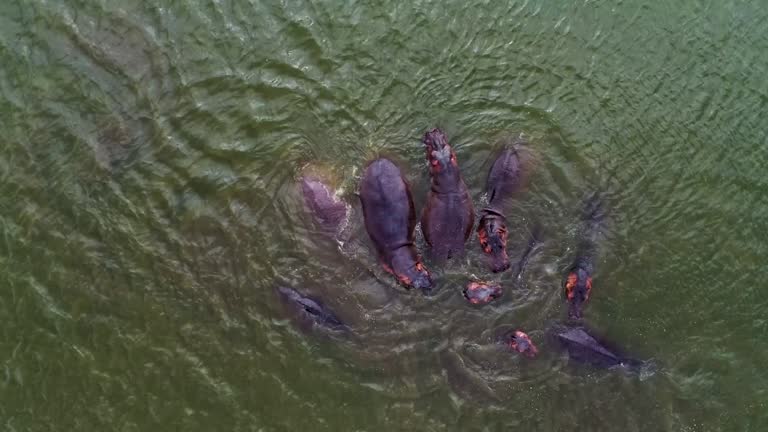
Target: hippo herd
(447, 221)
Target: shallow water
(148, 207)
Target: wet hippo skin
(448, 215)
(390, 219)
(504, 179)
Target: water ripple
(149, 168)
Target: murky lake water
(148, 207)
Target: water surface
(148, 207)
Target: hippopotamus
(328, 210)
(578, 280)
(578, 285)
(448, 215)
(584, 347)
(309, 311)
(478, 292)
(390, 219)
(518, 341)
(504, 179)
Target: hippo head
(442, 159)
(419, 277)
(520, 342)
(482, 292)
(578, 286)
(492, 233)
(410, 273)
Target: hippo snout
(500, 264)
(482, 292)
(412, 274)
(435, 140)
(520, 342)
(492, 233)
(423, 282)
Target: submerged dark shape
(584, 347)
(448, 215)
(309, 310)
(114, 142)
(533, 242)
(518, 341)
(327, 209)
(594, 215)
(390, 219)
(504, 179)
(578, 280)
(477, 292)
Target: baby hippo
(448, 216)
(390, 219)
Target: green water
(148, 206)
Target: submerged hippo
(504, 179)
(584, 347)
(309, 311)
(390, 219)
(518, 341)
(328, 210)
(448, 215)
(479, 292)
(578, 280)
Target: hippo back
(504, 178)
(387, 204)
(327, 209)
